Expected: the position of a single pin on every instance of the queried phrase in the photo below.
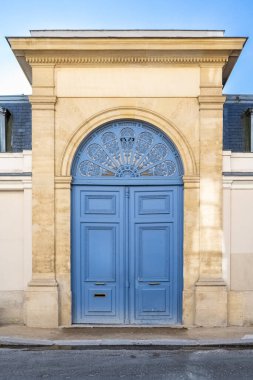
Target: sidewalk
(14, 336)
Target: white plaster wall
(15, 233)
(238, 220)
(15, 220)
(11, 240)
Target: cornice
(129, 59)
(119, 44)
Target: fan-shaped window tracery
(127, 149)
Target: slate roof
(20, 110)
(233, 136)
(233, 124)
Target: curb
(162, 344)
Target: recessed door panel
(99, 204)
(100, 300)
(150, 204)
(153, 252)
(99, 244)
(153, 300)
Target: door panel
(154, 253)
(98, 283)
(96, 204)
(100, 202)
(152, 301)
(151, 204)
(99, 244)
(100, 301)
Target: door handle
(153, 283)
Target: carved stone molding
(43, 282)
(211, 282)
(131, 59)
(63, 182)
(191, 182)
(211, 102)
(43, 102)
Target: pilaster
(42, 292)
(62, 246)
(191, 246)
(211, 291)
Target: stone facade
(79, 83)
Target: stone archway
(127, 226)
(191, 204)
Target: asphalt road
(126, 364)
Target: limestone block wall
(15, 234)
(238, 235)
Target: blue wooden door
(127, 254)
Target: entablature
(32, 51)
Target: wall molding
(124, 59)
(15, 183)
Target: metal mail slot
(99, 295)
(154, 283)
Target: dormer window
(248, 130)
(4, 130)
(3, 133)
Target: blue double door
(126, 254)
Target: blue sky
(19, 16)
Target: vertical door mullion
(126, 253)
(131, 256)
